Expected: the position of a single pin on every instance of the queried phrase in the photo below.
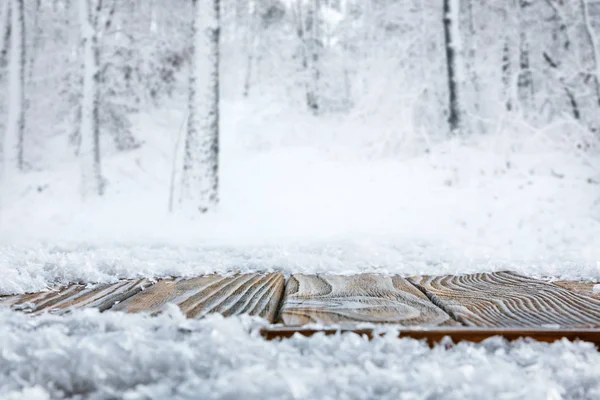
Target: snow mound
(307, 195)
(115, 355)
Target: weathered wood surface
(506, 299)
(456, 334)
(586, 288)
(101, 296)
(331, 299)
(253, 294)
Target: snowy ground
(114, 355)
(324, 195)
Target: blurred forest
(80, 71)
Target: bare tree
(308, 31)
(472, 55)
(201, 158)
(15, 130)
(593, 42)
(251, 40)
(507, 75)
(89, 129)
(558, 52)
(525, 77)
(454, 65)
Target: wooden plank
(506, 299)
(254, 294)
(101, 296)
(436, 335)
(586, 288)
(331, 299)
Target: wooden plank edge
(436, 335)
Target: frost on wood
(15, 129)
(201, 164)
(89, 130)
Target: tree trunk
(89, 129)
(315, 47)
(310, 56)
(15, 130)
(507, 75)
(525, 78)
(4, 32)
(201, 159)
(472, 56)
(251, 40)
(454, 65)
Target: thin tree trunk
(316, 43)
(251, 47)
(4, 31)
(507, 75)
(309, 56)
(525, 78)
(201, 159)
(15, 132)
(89, 129)
(454, 65)
(594, 47)
(472, 56)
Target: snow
(99, 356)
(373, 185)
(318, 196)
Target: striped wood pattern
(254, 294)
(101, 296)
(506, 299)
(581, 287)
(331, 299)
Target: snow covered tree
(525, 77)
(472, 56)
(89, 130)
(15, 129)
(201, 159)
(454, 65)
(308, 29)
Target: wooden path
(464, 307)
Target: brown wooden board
(331, 299)
(101, 296)
(586, 288)
(253, 294)
(456, 334)
(506, 299)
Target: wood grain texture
(101, 296)
(586, 288)
(506, 299)
(253, 294)
(331, 299)
(438, 335)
